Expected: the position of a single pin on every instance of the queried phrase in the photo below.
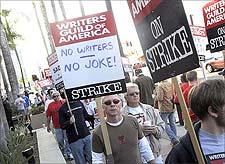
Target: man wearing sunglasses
(148, 118)
(126, 137)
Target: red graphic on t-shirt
(121, 139)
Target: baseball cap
(54, 93)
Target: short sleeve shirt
(52, 112)
(123, 139)
(213, 147)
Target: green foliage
(16, 143)
(37, 110)
(10, 32)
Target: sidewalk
(49, 151)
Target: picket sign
(188, 122)
(68, 104)
(109, 156)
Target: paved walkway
(49, 151)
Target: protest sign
(168, 46)
(44, 82)
(214, 18)
(200, 39)
(89, 57)
(55, 71)
(47, 73)
(165, 37)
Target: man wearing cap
(52, 114)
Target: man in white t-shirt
(147, 116)
(19, 102)
(207, 101)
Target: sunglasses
(55, 96)
(109, 102)
(134, 93)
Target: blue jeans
(170, 128)
(62, 141)
(81, 150)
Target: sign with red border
(88, 54)
(214, 18)
(165, 37)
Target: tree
(4, 129)
(62, 9)
(39, 25)
(109, 8)
(54, 10)
(46, 22)
(8, 63)
(81, 8)
(11, 36)
(4, 79)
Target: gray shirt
(213, 146)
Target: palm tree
(109, 8)
(46, 22)
(62, 9)
(39, 25)
(81, 8)
(11, 36)
(8, 63)
(4, 77)
(4, 129)
(54, 10)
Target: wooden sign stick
(109, 158)
(224, 61)
(188, 122)
(68, 104)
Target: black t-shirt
(80, 115)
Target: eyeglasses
(55, 96)
(109, 102)
(134, 93)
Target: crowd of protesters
(136, 121)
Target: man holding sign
(208, 102)
(129, 146)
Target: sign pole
(68, 104)
(188, 122)
(224, 61)
(203, 70)
(109, 156)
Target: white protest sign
(89, 57)
(55, 71)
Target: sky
(31, 48)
